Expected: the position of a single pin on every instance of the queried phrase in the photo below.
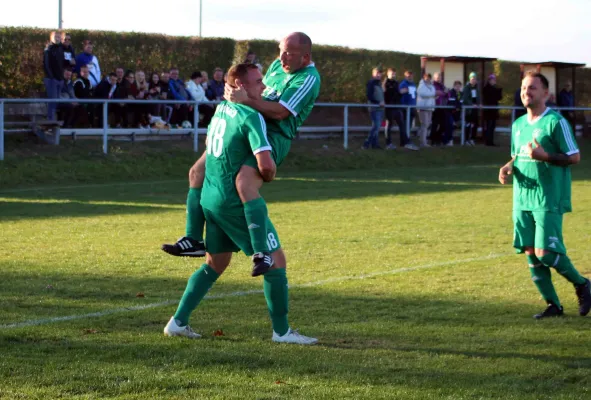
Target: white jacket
(425, 96)
(196, 91)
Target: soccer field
(407, 277)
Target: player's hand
(504, 173)
(537, 152)
(235, 95)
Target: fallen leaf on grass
(219, 332)
(140, 294)
(89, 331)
(280, 383)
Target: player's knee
(547, 258)
(529, 251)
(218, 262)
(248, 183)
(279, 259)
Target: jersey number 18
(215, 142)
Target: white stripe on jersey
(566, 131)
(264, 127)
(302, 91)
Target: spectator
(408, 91)
(154, 91)
(198, 94)
(120, 75)
(375, 95)
(205, 81)
(567, 99)
(128, 91)
(106, 89)
(491, 95)
(141, 110)
(69, 54)
(425, 102)
(392, 96)
(215, 87)
(165, 94)
(518, 103)
(53, 65)
(251, 58)
(551, 102)
(83, 90)
(67, 93)
(471, 97)
(178, 92)
(439, 120)
(454, 99)
(87, 58)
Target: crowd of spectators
(78, 76)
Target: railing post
(407, 122)
(196, 127)
(462, 131)
(1, 130)
(512, 116)
(346, 127)
(105, 127)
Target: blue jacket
(566, 99)
(178, 91)
(215, 89)
(409, 98)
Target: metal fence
(106, 131)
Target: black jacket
(69, 49)
(102, 90)
(53, 62)
(82, 88)
(491, 95)
(391, 91)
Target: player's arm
(569, 151)
(269, 109)
(266, 165)
(255, 129)
(505, 171)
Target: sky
(517, 30)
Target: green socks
(275, 287)
(256, 215)
(199, 284)
(542, 278)
(195, 217)
(564, 267)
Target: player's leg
(220, 249)
(550, 249)
(524, 241)
(248, 184)
(191, 245)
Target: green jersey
(296, 91)
(236, 131)
(538, 185)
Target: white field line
(247, 292)
(136, 183)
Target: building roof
(556, 64)
(462, 59)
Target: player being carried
(542, 149)
(236, 133)
(292, 86)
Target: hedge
(344, 71)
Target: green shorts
(538, 229)
(229, 234)
(280, 146)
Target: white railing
(105, 131)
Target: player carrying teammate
(236, 133)
(293, 84)
(542, 149)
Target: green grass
(400, 263)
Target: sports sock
(199, 284)
(564, 267)
(256, 215)
(276, 294)
(542, 278)
(195, 217)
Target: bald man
(292, 86)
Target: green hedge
(344, 71)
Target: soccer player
(293, 84)
(542, 149)
(236, 133)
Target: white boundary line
(135, 183)
(246, 293)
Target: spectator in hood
(491, 95)
(471, 97)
